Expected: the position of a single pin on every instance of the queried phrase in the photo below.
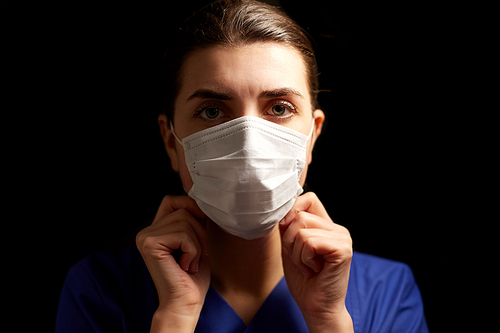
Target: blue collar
(278, 313)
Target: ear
(319, 119)
(169, 141)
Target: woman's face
(266, 80)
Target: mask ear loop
(175, 136)
(310, 132)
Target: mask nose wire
(180, 142)
(175, 136)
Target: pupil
(279, 110)
(212, 113)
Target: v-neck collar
(278, 313)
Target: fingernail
(282, 221)
(197, 267)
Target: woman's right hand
(178, 225)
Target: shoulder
(371, 269)
(111, 266)
(384, 296)
(379, 282)
(107, 273)
(102, 289)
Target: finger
(302, 220)
(296, 255)
(288, 234)
(199, 230)
(307, 202)
(190, 260)
(178, 222)
(183, 221)
(188, 246)
(309, 256)
(310, 203)
(331, 246)
(182, 216)
(171, 203)
(161, 247)
(334, 249)
(188, 243)
(314, 247)
(290, 267)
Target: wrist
(339, 322)
(166, 321)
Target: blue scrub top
(115, 293)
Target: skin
(307, 247)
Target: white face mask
(245, 173)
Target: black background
(89, 169)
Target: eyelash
(205, 106)
(292, 108)
(288, 105)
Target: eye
(281, 109)
(212, 113)
(278, 110)
(209, 111)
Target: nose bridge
(247, 104)
(247, 109)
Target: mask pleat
(246, 173)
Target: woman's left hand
(316, 259)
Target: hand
(178, 224)
(316, 259)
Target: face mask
(246, 173)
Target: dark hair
(233, 23)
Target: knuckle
(303, 235)
(346, 250)
(147, 244)
(166, 200)
(183, 235)
(139, 238)
(183, 215)
(308, 241)
(179, 214)
(168, 197)
(301, 220)
(311, 195)
(341, 230)
(345, 231)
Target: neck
(251, 267)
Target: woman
(243, 252)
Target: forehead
(247, 69)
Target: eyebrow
(267, 94)
(280, 92)
(210, 94)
